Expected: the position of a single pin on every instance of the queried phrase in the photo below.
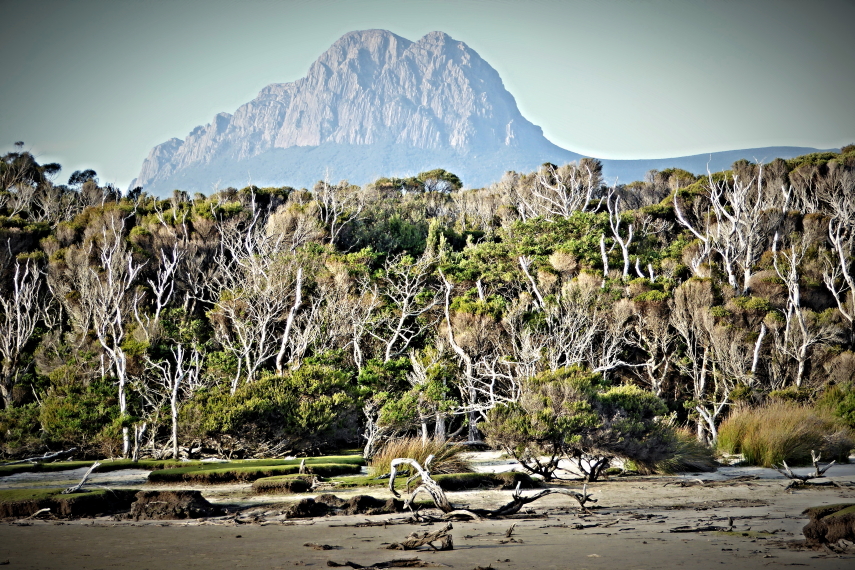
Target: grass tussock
(784, 431)
(688, 455)
(447, 458)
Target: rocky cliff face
(374, 104)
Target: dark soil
(172, 505)
(830, 523)
(284, 484)
(74, 505)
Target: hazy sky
(97, 83)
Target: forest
(548, 314)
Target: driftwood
(43, 458)
(76, 488)
(397, 563)
(418, 539)
(316, 546)
(708, 528)
(797, 480)
(432, 488)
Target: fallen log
(397, 563)
(43, 458)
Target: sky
(98, 83)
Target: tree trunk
(439, 430)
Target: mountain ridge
(377, 104)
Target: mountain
(376, 104)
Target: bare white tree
(20, 310)
(801, 333)
(614, 209)
(838, 271)
(254, 282)
(177, 378)
(340, 204)
(560, 191)
(112, 297)
(730, 226)
(406, 285)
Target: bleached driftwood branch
(432, 488)
(79, 486)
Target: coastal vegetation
(553, 314)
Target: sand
(631, 529)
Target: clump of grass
(688, 454)
(447, 458)
(784, 431)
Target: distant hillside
(630, 170)
(373, 104)
(376, 104)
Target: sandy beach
(631, 528)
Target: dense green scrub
(264, 322)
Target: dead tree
(19, 314)
(432, 488)
(111, 299)
(410, 295)
(800, 332)
(182, 375)
(797, 480)
(615, 221)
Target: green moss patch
(240, 473)
(25, 502)
(105, 467)
(161, 464)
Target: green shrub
(687, 455)
(447, 458)
(784, 431)
(463, 481)
(839, 399)
(78, 415)
(569, 414)
(311, 408)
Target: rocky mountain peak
(372, 90)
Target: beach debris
(429, 486)
(397, 563)
(316, 546)
(799, 480)
(42, 458)
(79, 486)
(418, 539)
